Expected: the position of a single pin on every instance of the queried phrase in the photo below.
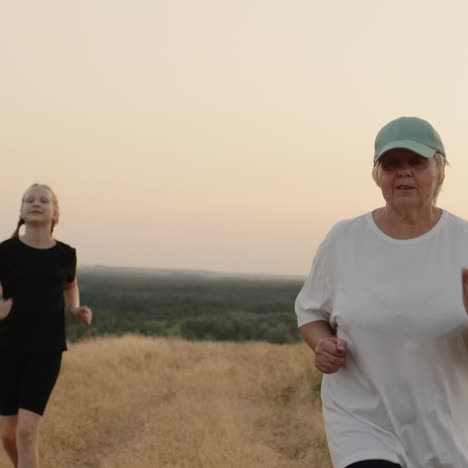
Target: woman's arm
(5, 306)
(330, 352)
(71, 295)
(313, 332)
(465, 288)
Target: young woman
(37, 275)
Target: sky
(216, 134)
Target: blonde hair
(441, 163)
(55, 205)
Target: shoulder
(65, 249)
(455, 224)
(9, 241)
(8, 244)
(347, 229)
(340, 236)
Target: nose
(404, 169)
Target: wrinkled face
(408, 180)
(38, 207)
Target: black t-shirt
(35, 279)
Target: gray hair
(441, 163)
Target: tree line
(187, 304)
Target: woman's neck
(39, 237)
(406, 224)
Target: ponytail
(20, 223)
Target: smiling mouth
(404, 187)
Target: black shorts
(373, 464)
(27, 380)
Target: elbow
(72, 284)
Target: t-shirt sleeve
(315, 300)
(71, 266)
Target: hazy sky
(218, 134)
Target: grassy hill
(140, 402)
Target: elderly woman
(384, 308)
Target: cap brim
(414, 146)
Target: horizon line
(197, 271)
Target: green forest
(191, 305)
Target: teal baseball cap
(411, 133)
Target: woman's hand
(5, 308)
(330, 354)
(465, 288)
(83, 314)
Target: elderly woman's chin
(408, 198)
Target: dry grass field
(136, 402)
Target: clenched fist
(83, 314)
(5, 308)
(330, 354)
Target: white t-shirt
(403, 394)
